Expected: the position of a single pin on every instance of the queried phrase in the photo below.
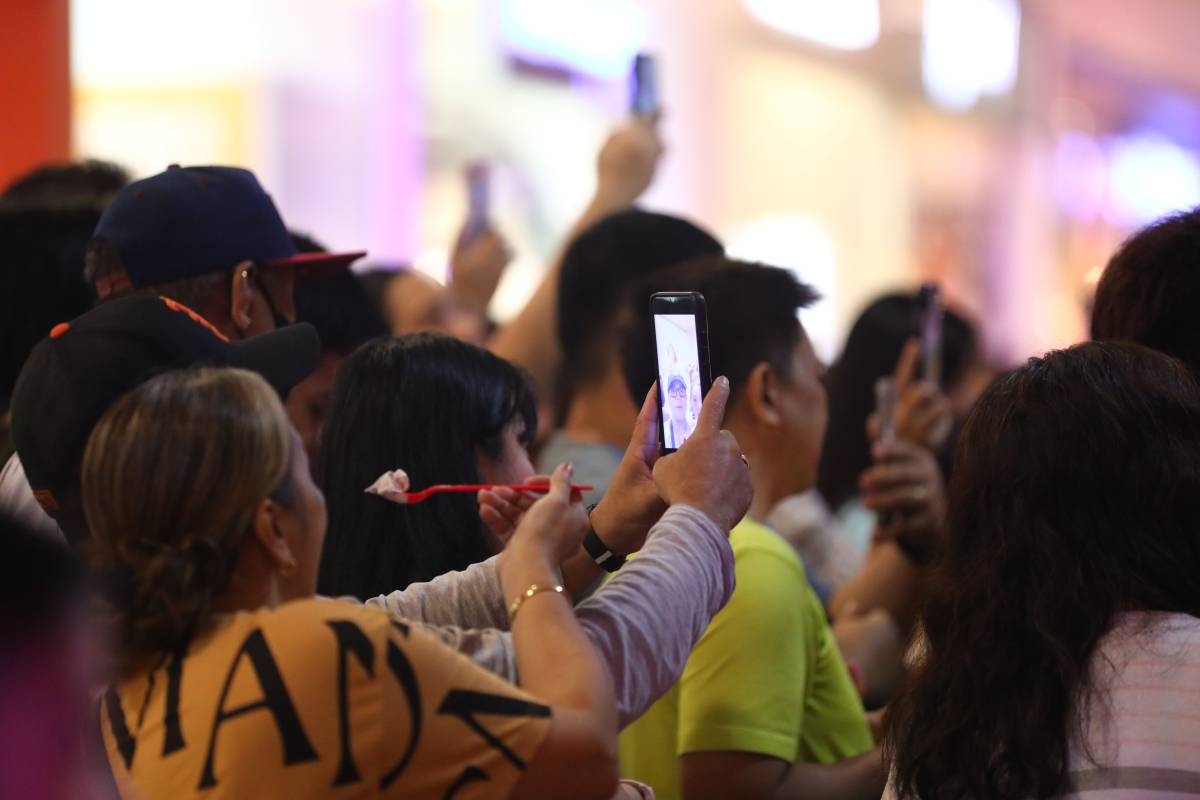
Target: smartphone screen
(478, 198)
(684, 374)
(930, 324)
(644, 100)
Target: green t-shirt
(766, 677)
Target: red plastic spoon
(408, 498)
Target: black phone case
(699, 309)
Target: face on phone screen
(678, 376)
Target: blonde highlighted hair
(172, 477)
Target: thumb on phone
(644, 442)
(712, 413)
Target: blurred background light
(434, 262)
(1151, 176)
(1080, 176)
(358, 116)
(803, 246)
(843, 25)
(970, 50)
(592, 37)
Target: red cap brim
(308, 265)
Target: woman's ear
(241, 296)
(270, 523)
(761, 395)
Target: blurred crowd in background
(259, 257)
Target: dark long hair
(872, 350)
(428, 404)
(1075, 497)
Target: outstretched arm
(624, 170)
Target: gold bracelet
(533, 589)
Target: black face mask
(280, 320)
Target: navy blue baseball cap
(191, 221)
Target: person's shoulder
(752, 539)
(11, 469)
(306, 630)
(561, 447)
(17, 500)
(13, 483)
(313, 618)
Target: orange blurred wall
(35, 85)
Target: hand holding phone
(710, 473)
(681, 347)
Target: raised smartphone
(644, 91)
(932, 313)
(682, 358)
(885, 409)
(478, 198)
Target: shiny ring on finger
(745, 460)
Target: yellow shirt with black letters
(318, 698)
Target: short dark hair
(41, 280)
(1150, 291)
(599, 268)
(427, 403)
(1074, 499)
(85, 184)
(752, 318)
(375, 282)
(337, 306)
(102, 260)
(871, 352)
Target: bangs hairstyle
(1074, 498)
(172, 477)
(428, 404)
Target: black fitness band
(606, 559)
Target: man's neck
(602, 413)
(773, 477)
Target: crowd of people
(996, 600)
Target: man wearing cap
(207, 238)
(210, 238)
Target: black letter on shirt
(468, 775)
(402, 669)
(466, 704)
(350, 639)
(296, 746)
(172, 732)
(126, 746)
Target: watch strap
(606, 559)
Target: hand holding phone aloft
(709, 472)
